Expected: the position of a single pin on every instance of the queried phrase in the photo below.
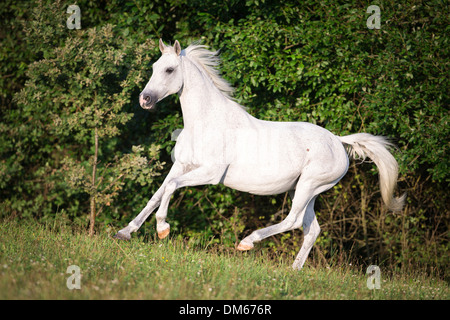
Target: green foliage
(75, 99)
(289, 65)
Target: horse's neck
(203, 104)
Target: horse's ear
(177, 47)
(162, 47)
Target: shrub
(74, 107)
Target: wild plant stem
(93, 192)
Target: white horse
(222, 143)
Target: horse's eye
(169, 70)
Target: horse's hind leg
(302, 213)
(311, 231)
(306, 191)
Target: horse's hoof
(244, 246)
(122, 236)
(163, 233)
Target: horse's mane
(209, 62)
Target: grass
(34, 259)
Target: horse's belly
(260, 181)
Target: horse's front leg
(200, 176)
(135, 224)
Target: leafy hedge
(312, 61)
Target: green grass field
(34, 259)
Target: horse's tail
(362, 145)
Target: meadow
(34, 259)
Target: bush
(72, 108)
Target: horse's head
(167, 77)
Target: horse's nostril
(147, 98)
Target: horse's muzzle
(147, 101)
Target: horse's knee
(170, 187)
